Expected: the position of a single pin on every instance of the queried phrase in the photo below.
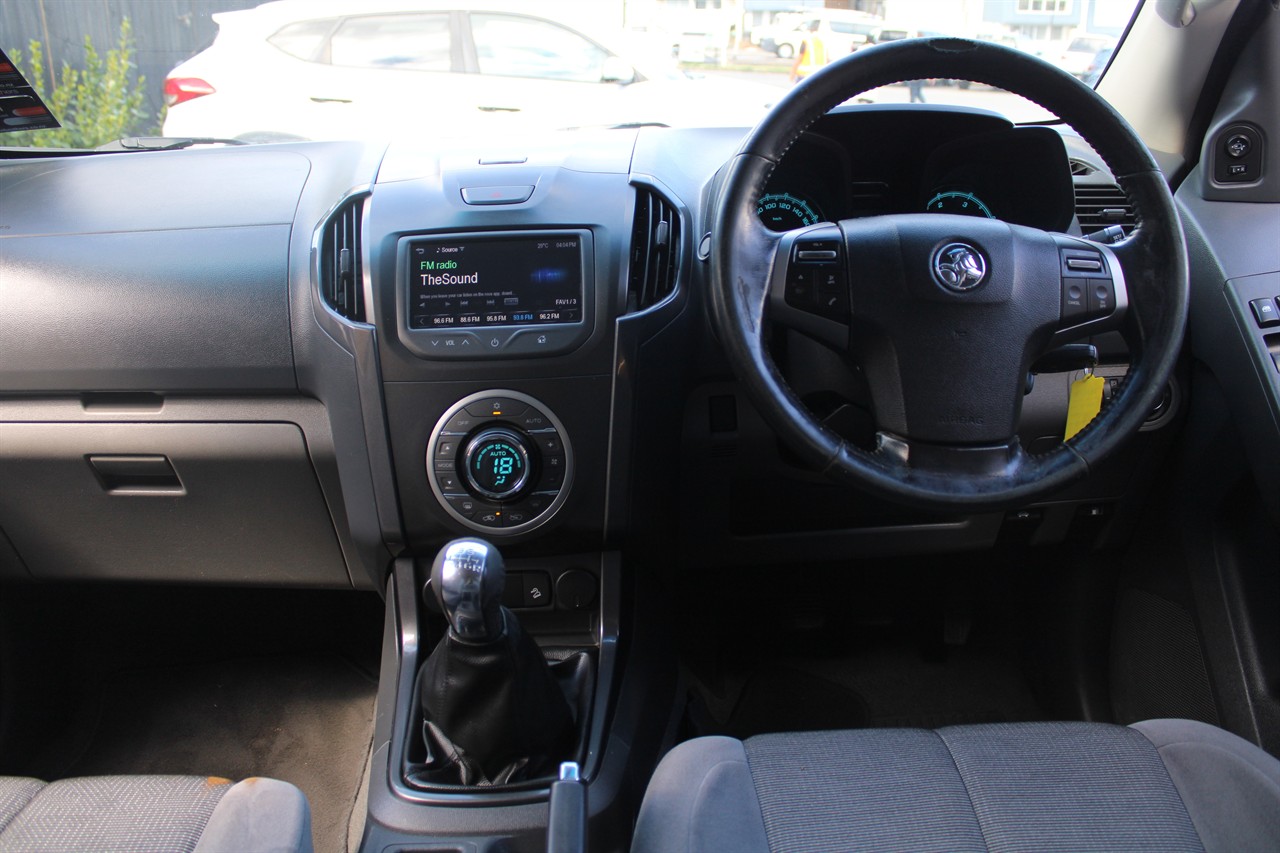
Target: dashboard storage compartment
(208, 502)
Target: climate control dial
(496, 464)
(499, 462)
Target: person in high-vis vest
(812, 55)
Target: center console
(498, 352)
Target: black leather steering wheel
(946, 314)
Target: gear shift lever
(492, 710)
(467, 577)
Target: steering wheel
(946, 314)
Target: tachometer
(784, 211)
(955, 201)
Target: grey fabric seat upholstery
(153, 814)
(1163, 785)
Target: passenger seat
(183, 814)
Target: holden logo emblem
(959, 267)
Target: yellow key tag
(1083, 403)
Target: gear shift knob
(467, 577)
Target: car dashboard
(508, 341)
(313, 364)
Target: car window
(303, 39)
(515, 46)
(417, 42)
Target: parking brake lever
(567, 823)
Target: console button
(1265, 313)
(552, 473)
(465, 505)
(489, 517)
(549, 442)
(538, 502)
(446, 448)
(537, 589)
(497, 407)
(449, 483)
(507, 194)
(461, 423)
(533, 420)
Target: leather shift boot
(494, 709)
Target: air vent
(341, 282)
(655, 251)
(1101, 206)
(1080, 167)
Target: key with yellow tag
(1084, 401)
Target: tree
(97, 105)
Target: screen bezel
(487, 342)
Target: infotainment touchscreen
(500, 281)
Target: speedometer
(955, 201)
(784, 211)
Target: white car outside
(333, 69)
(1078, 54)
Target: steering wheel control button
(959, 267)
(1265, 313)
(1102, 298)
(800, 290)
(1084, 264)
(1075, 299)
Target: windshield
(337, 69)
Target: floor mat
(305, 719)
(784, 699)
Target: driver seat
(1163, 785)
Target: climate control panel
(499, 462)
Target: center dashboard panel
(497, 372)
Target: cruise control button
(1265, 313)
(497, 407)
(1102, 296)
(1075, 300)
(800, 290)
